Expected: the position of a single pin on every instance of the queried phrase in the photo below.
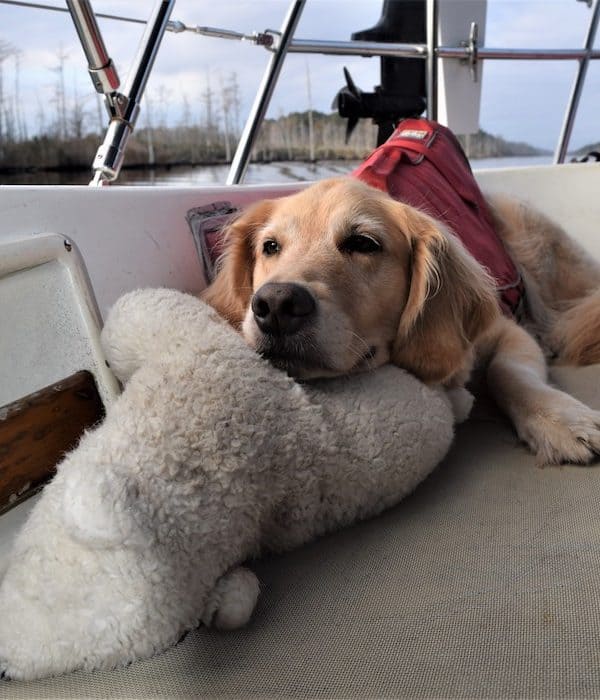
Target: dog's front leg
(557, 427)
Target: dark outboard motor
(402, 92)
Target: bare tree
(78, 114)
(40, 115)
(226, 106)
(311, 126)
(60, 98)
(21, 124)
(230, 105)
(186, 112)
(149, 130)
(210, 126)
(100, 113)
(163, 97)
(188, 131)
(6, 51)
(284, 132)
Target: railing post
(431, 21)
(123, 107)
(571, 111)
(100, 66)
(263, 96)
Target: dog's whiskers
(364, 357)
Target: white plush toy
(210, 457)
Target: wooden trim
(37, 430)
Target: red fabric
(423, 164)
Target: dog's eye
(359, 243)
(270, 247)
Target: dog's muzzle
(284, 314)
(283, 308)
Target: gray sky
(522, 101)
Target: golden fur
(421, 301)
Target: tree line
(201, 129)
(70, 125)
(285, 138)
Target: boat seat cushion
(208, 458)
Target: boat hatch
(54, 379)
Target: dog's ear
(231, 289)
(451, 301)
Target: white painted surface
(134, 237)
(49, 321)
(459, 97)
(569, 194)
(129, 237)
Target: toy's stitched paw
(565, 431)
(232, 601)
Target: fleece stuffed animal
(208, 458)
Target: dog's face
(338, 279)
(329, 283)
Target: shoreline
(170, 165)
(81, 168)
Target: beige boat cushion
(484, 583)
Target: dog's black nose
(282, 308)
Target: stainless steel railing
(469, 52)
(577, 88)
(123, 106)
(241, 158)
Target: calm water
(257, 174)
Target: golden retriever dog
(341, 278)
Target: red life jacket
(423, 165)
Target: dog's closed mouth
(365, 361)
(293, 365)
(295, 358)
(299, 364)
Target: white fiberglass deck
(138, 236)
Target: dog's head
(341, 278)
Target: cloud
(537, 24)
(523, 101)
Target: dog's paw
(563, 431)
(232, 601)
(461, 401)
